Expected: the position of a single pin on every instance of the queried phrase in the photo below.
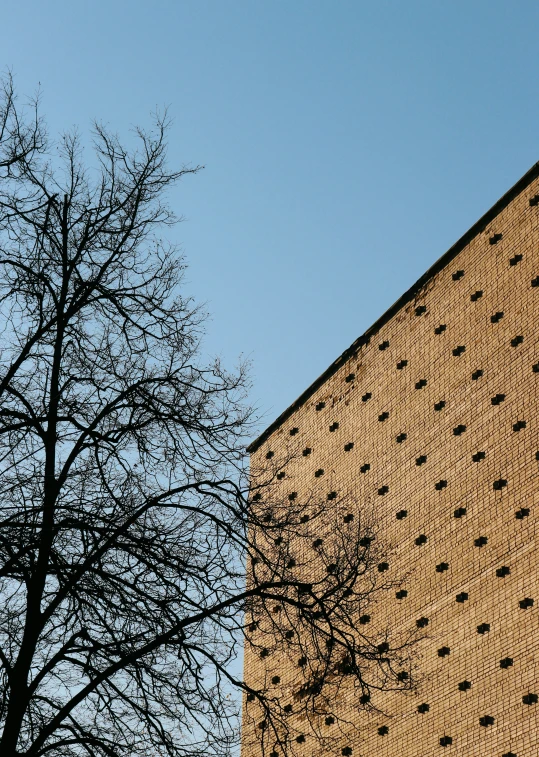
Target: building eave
(403, 300)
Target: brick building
(439, 398)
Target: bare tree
(21, 135)
(126, 516)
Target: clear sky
(347, 145)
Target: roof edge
(403, 300)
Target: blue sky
(347, 145)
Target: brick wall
(443, 407)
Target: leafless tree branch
(126, 512)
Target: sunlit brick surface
(481, 446)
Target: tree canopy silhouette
(126, 513)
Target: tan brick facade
(441, 402)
